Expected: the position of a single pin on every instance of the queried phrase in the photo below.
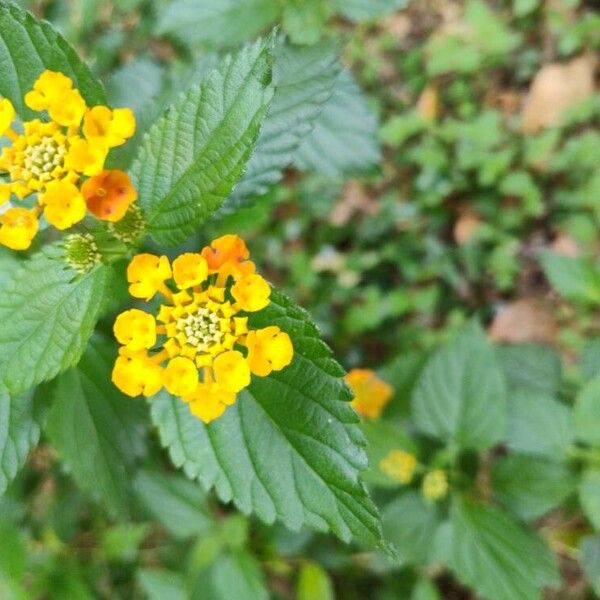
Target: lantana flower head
(371, 394)
(198, 345)
(399, 465)
(49, 159)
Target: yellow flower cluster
(198, 346)
(435, 485)
(48, 159)
(371, 394)
(399, 465)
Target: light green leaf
(27, 48)
(574, 278)
(19, 433)
(425, 589)
(48, 314)
(304, 78)
(314, 583)
(344, 139)
(586, 414)
(305, 20)
(495, 556)
(382, 437)
(192, 157)
(410, 523)
(589, 495)
(290, 448)
(367, 10)
(98, 431)
(221, 24)
(531, 367)
(460, 397)
(530, 486)
(233, 575)
(590, 560)
(538, 424)
(179, 504)
(158, 584)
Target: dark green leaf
(495, 556)
(530, 486)
(290, 448)
(344, 139)
(193, 156)
(97, 430)
(29, 47)
(460, 397)
(47, 314)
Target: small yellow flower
(136, 373)
(203, 334)
(399, 465)
(50, 159)
(135, 329)
(63, 204)
(251, 292)
(18, 227)
(435, 485)
(371, 394)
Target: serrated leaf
(344, 139)
(221, 24)
(589, 495)
(495, 556)
(367, 10)
(460, 396)
(97, 430)
(410, 523)
(304, 78)
(586, 414)
(27, 48)
(290, 448)
(574, 278)
(538, 424)
(48, 314)
(192, 157)
(19, 433)
(179, 504)
(530, 486)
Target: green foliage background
(414, 234)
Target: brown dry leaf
(565, 244)
(556, 88)
(526, 320)
(354, 199)
(428, 105)
(465, 227)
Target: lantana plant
(231, 376)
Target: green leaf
(382, 437)
(304, 78)
(161, 585)
(192, 157)
(233, 575)
(314, 583)
(575, 279)
(460, 397)
(344, 139)
(305, 20)
(530, 486)
(27, 48)
(221, 24)
(586, 414)
(367, 10)
(590, 560)
(531, 367)
(290, 448)
(589, 495)
(19, 433)
(48, 314)
(410, 523)
(402, 373)
(538, 424)
(98, 431)
(179, 504)
(425, 589)
(495, 556)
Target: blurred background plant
(440, 224)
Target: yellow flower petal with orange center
(189, 270)
(135, 329)
(63, 204)
(269, 349)
(18, 227)
(136, 374)
(232, 370)
(147, 274)
(209, 401)
(251, 292)
(228, 255)
(371, 394)
(109, 127)
(181, 376)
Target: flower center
(201, 329)
(42, 159)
